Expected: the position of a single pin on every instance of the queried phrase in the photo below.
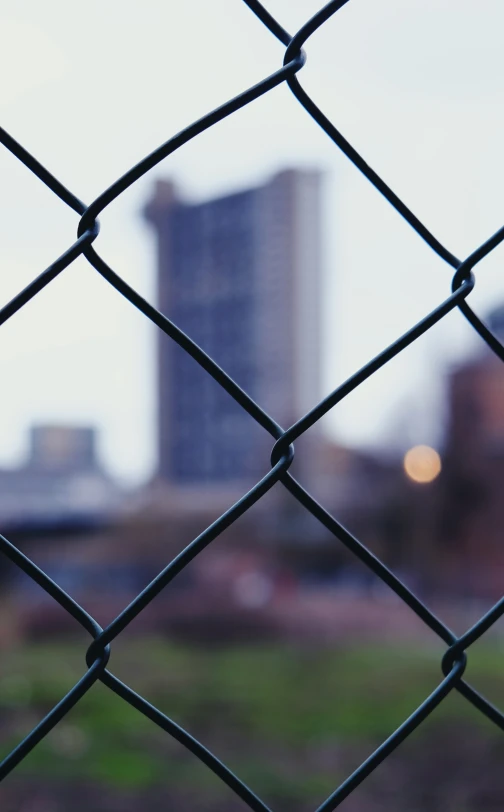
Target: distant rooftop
(495, 321)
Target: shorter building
(470, 504)
(61, 484)
(63, 449)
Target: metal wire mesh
(454, 660)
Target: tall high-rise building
(241, 275)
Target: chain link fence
(454, 661)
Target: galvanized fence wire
(97, 657)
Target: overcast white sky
(416, 86)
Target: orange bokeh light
(422, 463)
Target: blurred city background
(116, 449)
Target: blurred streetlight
(422, 464)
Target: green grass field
(268, 711)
